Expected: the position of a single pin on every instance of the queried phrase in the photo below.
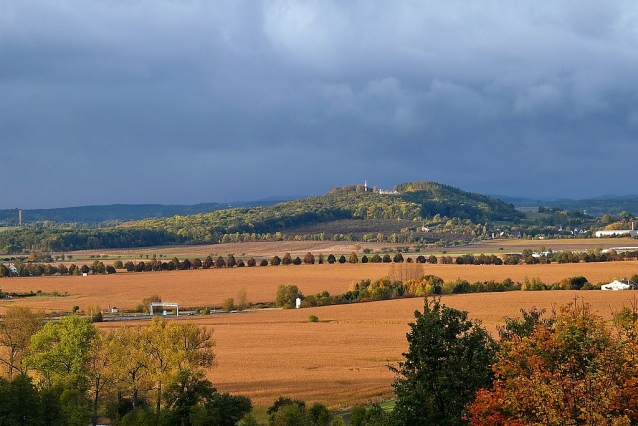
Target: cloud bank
(180, 102)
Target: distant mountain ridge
(600, 206)
(96, 214)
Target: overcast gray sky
(182, 102)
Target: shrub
(313, 318)
(229, 304)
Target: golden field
(342, 359)
(208, 288)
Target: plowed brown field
(340, 360)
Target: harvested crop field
(209, 288)
(267, 249)
(342, 359)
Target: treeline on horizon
(30, 266)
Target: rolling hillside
(411, 205)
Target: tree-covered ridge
(445, 200)
(421, 202)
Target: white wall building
(620, 285)
(618, 232)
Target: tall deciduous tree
(60, 350)
(18, 325)
(100, 371)
(448, 360)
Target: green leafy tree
(221, 409)
(98, 267)
(370, 416)
(288, 412)
(449, 358)
(59, 352)
(184, 394)
(20, 402)
(287, 295)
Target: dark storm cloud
(188, 101)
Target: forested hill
(418, 201)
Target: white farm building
(620, 285)
(618, 232)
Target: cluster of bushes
(387, 288)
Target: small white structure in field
(620, 285)
(13, 268)
(297, 303)
(163, 304)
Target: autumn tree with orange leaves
(570, 369)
